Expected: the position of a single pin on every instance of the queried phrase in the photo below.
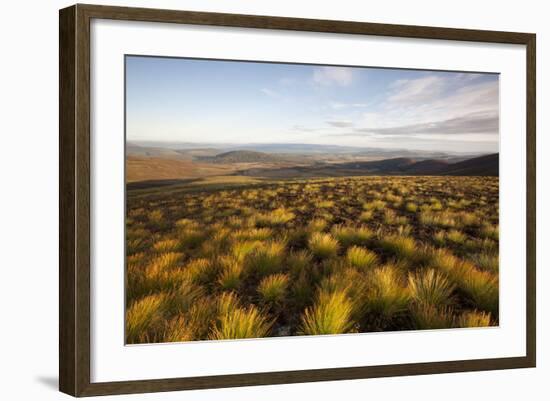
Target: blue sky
(186, 100)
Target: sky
(217, 102)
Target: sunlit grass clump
(231, 273)
(142, 314)
(365, 216)
(388, 295)
(273, 288)
(331, 314)
(428, 316)
(323, 245)
(361, 258)
(348, 235)
(241, 323)
(235, 321)
(375, 205)
(486, 261)
(267, 258)
(274, 218)
(400, 246)
(456, 237)
(474, 319)
(167, 245)
(430, 287)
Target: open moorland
(407, 245)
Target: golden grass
(456, 237)
(331, 255)
(365, 216)
(201, 271)
(411, 207)
(486, 261)
(474, 319)
(267, 258)
(430, 287)
(490, 231)
(231, 272)
(387, 295)
(361, 258)
(273, 288)
(375, 205)
(299, 262)
(317, 225)
(167, 245)
(178, 329)
(482, 288)
(277, 217)
(400, 246)
(348, 236)
(142, 314)
(427, 316)
(331, 314)
(323, 246)
(235, 322)
(392, 218)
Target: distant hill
(242, 156)
(291, 149)
(481, 166)
(484, 165)
(477, 166)
(168, 153)
(427, 167)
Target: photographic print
(276, 199)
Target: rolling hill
(484, 165)
(243, 156)
(477, 166)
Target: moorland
(281, 240)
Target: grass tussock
(430, 287)
(361, 258)
(142, 314)
(348, 236)
(231, 273)
(267, 258)
(486, 261)
(430, 317)
(387, 295)
(273, 288)
(323, 246)
(331, 314)
(235, 321)
(474, 319)
(277, 217)
(400, 246)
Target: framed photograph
(250, 200)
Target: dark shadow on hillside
(157, 183)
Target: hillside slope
(483, 165)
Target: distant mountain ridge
(156, 148)
(478, 166)
(242, 156)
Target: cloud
(303, 128)
(340, 123)
(417, 90)
(473, 123)
(326, 76)
(339, 106)
(270, 93)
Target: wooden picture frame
(74, 204)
